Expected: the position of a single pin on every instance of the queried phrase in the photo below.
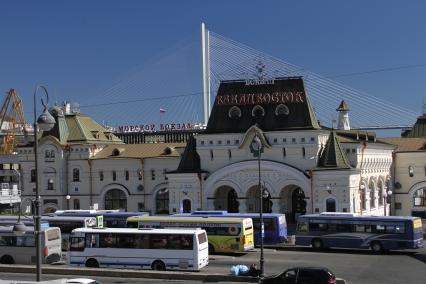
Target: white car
(82, 281)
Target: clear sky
(80, 48)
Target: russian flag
(162, 110)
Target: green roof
(333, 157)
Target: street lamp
(257, 146)
(46, 122)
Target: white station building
(304, 167)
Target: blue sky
(79, 49)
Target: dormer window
(95, 134)
(234, 112)
(281, 110)
(258, 111)
(116, 152)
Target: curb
(131, 273)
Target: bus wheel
(211, 249)
(91, 262)
(317, 244)
(376, 247)
(158, 265)
(7, 259)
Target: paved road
(355, 266)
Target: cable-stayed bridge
(169, 88)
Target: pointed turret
(333, 156)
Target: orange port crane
(12, 122)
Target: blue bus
(112, 218)
(274, 223)
(10, 220)
(346, 230)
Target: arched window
(234, 112)
(363, 198)
(115, 199)
(330, 205)
(419, 197)
(258, 111)
(75, 174)
(52, 153)
(372, 198)
(281, 110)
(162, 201)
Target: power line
(378, 70)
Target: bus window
(7, 241)
(142, 242)
(380, 228)
(359, 228)
(317, 227)
(344, 227)
(29, 241)
(107, 241)
(77, 244)
(53, 235)
(202, 238)
(302, 227)
(158, 241)
(125, 241)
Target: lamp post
(257, 144)
(19, 228)
(45, 121)
(386, 197)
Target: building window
(211, 142)
(33, 175)
(372, 198)
(202, 142)
(115, 199)
(284, 140)
(228, 142)
(76, 204)
(302, 139)
(381, 196)
(411, 171)
(312, 139)
(293, 140)
(50, 184)
(162, 201)
(141, 206)
(398, 205)
(363, 199)
(354, 151)
(275, 140)
(52, 154)
(126, 174)
(237, 141)
(101, 175)
(75, 175)
(219, 142)
(348, 151)
(419, 197)
(152, 174)
(47, 154)
(114, 175)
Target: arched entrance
(162, 201)
(253, 200)
(115, 199)
(186, 206)
(292, 202)
(226, 198)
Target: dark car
(302, 275)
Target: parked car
(82, 281)
(302, 275)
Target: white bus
(21, 249)
(157, 249)
(67, 224)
